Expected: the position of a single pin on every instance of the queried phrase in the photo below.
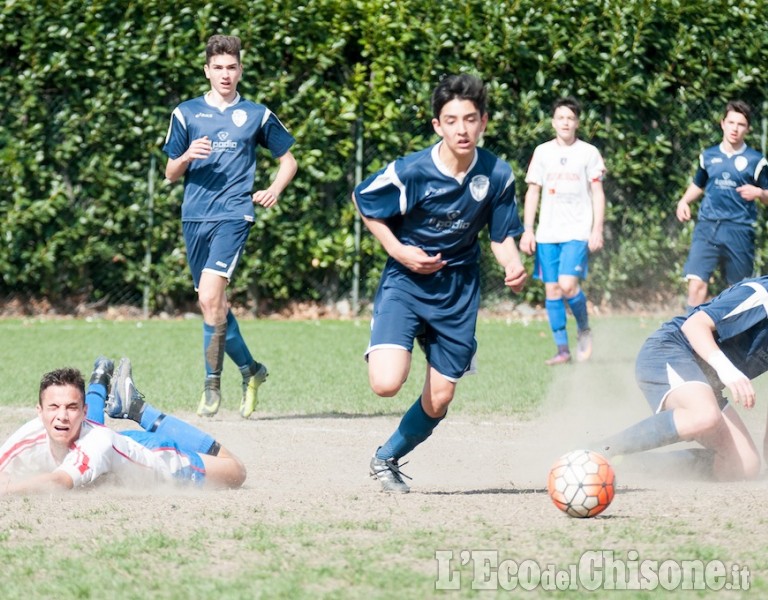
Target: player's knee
(235, 474)
(569, 289)
(706, 418)
(385, 385)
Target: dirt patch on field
(478, 484)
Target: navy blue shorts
(662, 366)
(566, 258)
(717, 243)
(214, 246)
(440, 310)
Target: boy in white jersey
(566, 174)
(63, 449)
(212, 142)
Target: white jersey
(98, 450)
(565, 174)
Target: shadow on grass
(330, 415)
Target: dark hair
(463, 87)
(568, 102)
(65, 376)
(222, 44)
(739, 106)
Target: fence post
(358, 224)
(150, 223)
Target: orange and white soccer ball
(581, 483)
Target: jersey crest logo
(239, 117)
(741, 163)
(479, 187)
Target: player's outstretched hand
(265, 198)
(742, 392)
(515, 277)
(418, 261)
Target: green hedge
(89, 88)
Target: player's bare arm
(411, 257)
(46, 482)
(528, 239)
(692, 194)
(199, 149)
(699, 329)
(598, 216)
(507, 256)
(285, 174)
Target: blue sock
(95, 397)
(578, 305)
(654, 432)
(556, 315)
(214, 339)
(187, 437)
(415, 427)
(236, 348)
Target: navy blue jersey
(719, 174)
(740, 315)
(220, 187)
(427, 207)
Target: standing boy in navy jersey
(212, 141)
(731, 176)
(566, 174)
(683, 370)
(426, 210)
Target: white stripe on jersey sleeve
(510, 181)
(759, 298)
(389, 177)
(179, 118)
(762, 164)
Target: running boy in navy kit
(731, 176)
(212, 141)
(426, 210)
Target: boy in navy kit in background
(566, 174)
(212, 141)
(732, 176)
(426, 210)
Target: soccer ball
(581, 483)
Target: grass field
(310, 524)
(316, 367)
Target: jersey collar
(440, 165)
(226, 106)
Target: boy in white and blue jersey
(426, 210)
(732, 176)
(683, 370)
(67, 446)
(565, 176)
(212, 141)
